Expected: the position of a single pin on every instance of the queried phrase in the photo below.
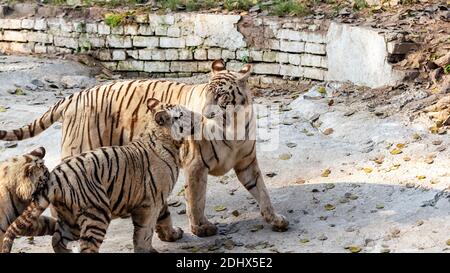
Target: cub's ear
(245, 71)
(39, 152)
(162, 118)
(152, 103)
(217, 66)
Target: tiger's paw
(204, 230)
(171, 236)
(280, 223)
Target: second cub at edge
(90, 189)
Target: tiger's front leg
(164, 227)
(249, 175)
(196, 176)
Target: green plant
(193, 5)
(359, 5)
(170, 4)
(239, 4)
(245, 59)
(289, 7)
(113, 19)
(447, 69)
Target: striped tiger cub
(89, 189)
(20, 177)
(112, 114)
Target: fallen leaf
(285, 156)
(429, 160)
(368, 170)
(328, 131)
(379, 206)
(219, 208)
(300, 181)
(2, 109)
(271, 174)
(329, 207)
(421, 177)
(329, 186)
(396, 151)
(406, 158)
(322, 90)
(19, 92)
(291, 144)
(255, 228)
(305, 240)
(448, 242)
(354, 249)
(437, 142)
(235, 213)
(416, 136)
(400, 145)
(326, 172)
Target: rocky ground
(353, 169)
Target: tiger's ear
(39, 152)
(245, 72)
(152, 103)
(162, 118)
(217, 66)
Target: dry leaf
(304, 241)
(367, 170)
(326, 172)
(406, 158)
(395, 151)
(328, 131)
(400, 145)
(421, 177)
(2, 109)
(285, 156)
(354, 249)
(219, 208)
(329, 207)
(379, 206)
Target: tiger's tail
(26, 223)
(38, 125)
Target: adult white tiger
(109, 114)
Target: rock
(37, 83)
(10, 144)
(71, 82)
(235, 213)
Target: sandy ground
(400, 203)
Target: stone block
(295, 47)
(178, 66)
(117, 41)
(214, 53)
(315, 48)
(167, 42)
(264, 68)
(157, 67)
(143, 41)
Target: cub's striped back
(89, 189)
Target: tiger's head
(226, 89)
(173, 122)
(23, 175)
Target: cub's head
(226, 89)
(174, 122)
(23, 174)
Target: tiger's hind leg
(249, 175)
(164, 228)
(92, 231)
(62, 236)
(144, 221)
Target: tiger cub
(20, 177)
(90, 189)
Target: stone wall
(183, 44)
